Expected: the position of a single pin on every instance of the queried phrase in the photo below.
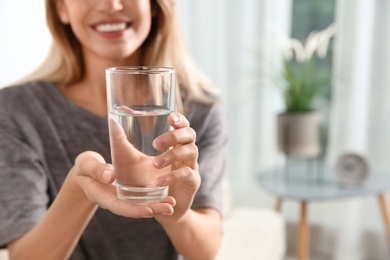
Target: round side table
(299, 188)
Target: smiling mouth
(112, 27)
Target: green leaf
(303, 84)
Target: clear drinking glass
(139, 101)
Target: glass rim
(140, 69)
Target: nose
(110, 6)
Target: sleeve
(212, 140)
(23, 183)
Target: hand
(95, 177)
(184, 179)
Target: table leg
(385, 213)
(303, 234)
(278, 205)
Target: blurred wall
(24, 38)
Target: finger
(124, 208)
(169, 199)
(105, 197)
(177, 120)
(161, 209)
(185, 153)
(138, 210)
(175, 137)
(123, 148)
(93, 165)
(184, 175)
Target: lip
(113, 28)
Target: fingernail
(158, 161)
(149, 214)
(168, 213)
(106, 176)
(175, 118)
(158, 143)
(160, 181)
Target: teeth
(111, 27)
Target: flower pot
(299, 134)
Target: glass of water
(139, 101)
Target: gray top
(42, 132)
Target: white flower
(278, 49)
(316, 42)
(324, 39)
(298, 48)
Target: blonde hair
(164, 46)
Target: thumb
(92, 164)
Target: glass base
(141, 194)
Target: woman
(56, 190)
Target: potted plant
(299, 125)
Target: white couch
(253, 233)
(3, 254)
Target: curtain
(359, 112)
(225, 35)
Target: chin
(122, 56)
